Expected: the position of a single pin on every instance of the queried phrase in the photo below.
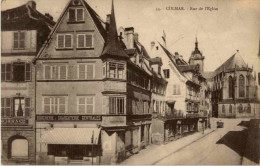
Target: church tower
(197, 57)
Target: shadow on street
(235, 140)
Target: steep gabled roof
(24, 17)
(235, 60)
(113, 47)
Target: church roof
(235, 60)
(113, 47)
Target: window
(86, 71)
(54, 104)
(230, 87)
(21, 107)
(84, 41)
(176, 89)
(240, 108)
(55, 72)
(223, 109)
(6, 107)
(116, 70)
(166, 73)
(116, 105)
(241, 86)
(64, 41)
(85, 104)
(17, 72)
(19, 40)
(230, 108)
(249, 108)
(76, 15)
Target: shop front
(70, 146)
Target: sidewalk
(154, 153)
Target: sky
(235, 25)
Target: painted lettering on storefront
(68, 117)
(14, 121)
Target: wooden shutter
(8, 107)
(16, 40)
(22, 40)
(60, 41)
(27, 72)
(81, 41)
(89, 41)
(8, 76)
(81, 71)
(68, 42)
(72, 15)
(3, 72)
(27, 107)
(47, 72)
(79, 14)
(63, 72)
(105, 105)
(2, 107)
(90, 71)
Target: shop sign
(114, 120)
(192, 115)
(68, 118)
(14, 122)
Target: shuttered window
(55, 72)
(54, 104)
(64, 41)
(3, 72)
(27, 107)
(27, 72)
(84, 41)
(19, 40)
(6, 107)
(86, 71)
(86, 104)
(17, 72)
(8, 72)
(76, 15)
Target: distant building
(24, 30)
(234, 91)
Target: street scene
(121, 82)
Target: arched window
(241, 86)
(240, 108)
(249, 108)
(230, 87)
(223, 109)
(230, 109)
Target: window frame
(86, 71)
(57, 71)
(76, 15)
(241, 86)
(116, 74)
(116, 99)
(64, 41)
(53, 104)
(176, 89)
(85, 40)
(86, 104)
(19, 40)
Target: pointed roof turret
(113, 47)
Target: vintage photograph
(130, 82)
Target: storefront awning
(71, 136)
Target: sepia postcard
(130, 82)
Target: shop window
(86, 104)
(84, 41)
(86, 71)
(166, 73)
(19, 40)
(116, 105)
(54, 104)
(55, 72)
(64, 41)
(76, 15)
(241, 86)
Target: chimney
(136, 37)
(32, 4)
(176, 55)
(129, 37)
(152, 44)
(108, 21)
(48, 16)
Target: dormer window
(76, 15)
